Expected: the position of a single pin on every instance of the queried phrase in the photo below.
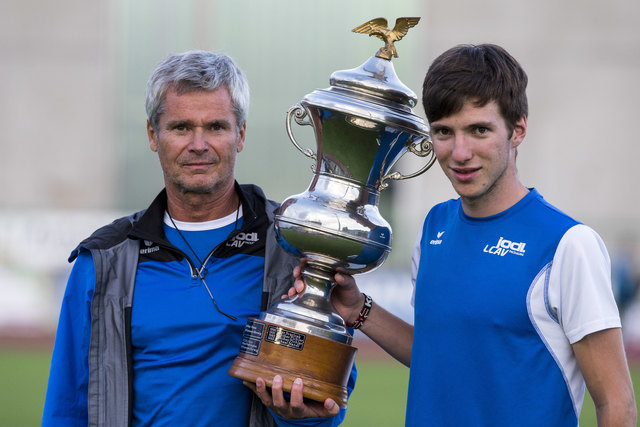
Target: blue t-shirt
(179, 332)
(498, 303)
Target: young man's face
(476, 151)
(197, 141)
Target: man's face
(476, 151)
(197, 141)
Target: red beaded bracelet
(364, 313)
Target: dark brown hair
(480, 74)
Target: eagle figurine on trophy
(378, 27)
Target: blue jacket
(92, 368)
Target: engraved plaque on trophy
(363, 123)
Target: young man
(156, 304)
(513, 303)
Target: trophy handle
(423, 149)
(299, 114)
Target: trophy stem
(312, 312)
(319, 284)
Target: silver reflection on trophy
(363, 123)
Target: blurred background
(74, 152)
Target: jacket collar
(150, 224)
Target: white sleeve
(580, 293)
(415, 263)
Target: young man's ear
(519, 132)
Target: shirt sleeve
(66, 398)
(321, 422)
(415, 263)
(580, 292)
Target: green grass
(23, 381)
(378, 400)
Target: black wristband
(364, 313)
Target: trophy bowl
(363, 124)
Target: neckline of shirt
(204, 225)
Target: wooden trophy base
(268, 349)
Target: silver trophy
(363, 124)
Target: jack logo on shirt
(242, 239)
(504, 247)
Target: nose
(461, 151)
(198, 140)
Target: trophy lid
(373, 90)
(376, 77)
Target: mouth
(199, 163)
(197, 167)
(465, 174)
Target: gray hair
(197, 70)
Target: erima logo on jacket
(504, 247)
(149, 249)
(241, 239)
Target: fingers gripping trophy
(363, 123)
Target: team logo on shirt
(241, 239)
(438, 240)
(504, 247)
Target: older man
(156, 302)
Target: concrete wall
(56, 108)
(72, 121)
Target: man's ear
(241, 135)
(151, 134)
(519, 132)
